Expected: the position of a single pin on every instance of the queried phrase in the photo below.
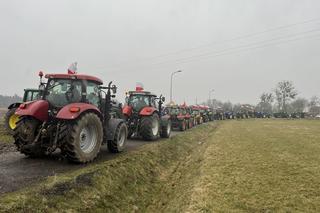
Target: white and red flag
(73, 68)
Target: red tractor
(72, 116)
(177, 117)
(144, 115)
(187, 112)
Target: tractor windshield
(61, 92)
(173, 111)
(139, 101)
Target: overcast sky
(239, 48)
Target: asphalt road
(18, 171)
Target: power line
(241, 46)
(316, 20)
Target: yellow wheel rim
(13, 120)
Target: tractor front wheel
(120, 139)
(10, 120)
(150, 127)
(85, 139)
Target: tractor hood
(37, 109)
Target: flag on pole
(139, 87)
(73, 68)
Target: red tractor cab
(73, 116)
(144, 115)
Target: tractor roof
(141, 93)
(31, 89)
(75, 76)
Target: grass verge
(144, 180)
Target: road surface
(18, 171)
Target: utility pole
(172, 74)
(210, 102)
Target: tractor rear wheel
(10, 120)
(150, 127)
(166, 130)
(24, 136)
(83, 143)
(120, 139)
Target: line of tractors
(76, 114)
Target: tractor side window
(29, 96)
(153, 102)
(93, 94)
(35, 95)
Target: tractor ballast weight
(144, 115)
(73, 116)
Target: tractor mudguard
(37, 109)
(14, 105)
(147, 111)
(74, 110)
(112, 126)
(164, 120)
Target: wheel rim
(13, 120)
(155, 127)
(88, 139)
(122, 138)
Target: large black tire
(24, 135)
(148, 129)
(8, 125)
(182, 125)
(83, 143)
(120, 139)
(166, 130)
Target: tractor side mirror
(114, 89)
(41, 87)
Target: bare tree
(299, 105)
(285, 92)
(314, 105)
(265, 104)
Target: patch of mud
(64, 187)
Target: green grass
(261, 165)
(233, 166)
(143, 180)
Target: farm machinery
(180, 116)
(196, 114)
(11, 118)
(144, 115)
(72, 116)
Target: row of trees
(5, 101)
(284, 98)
